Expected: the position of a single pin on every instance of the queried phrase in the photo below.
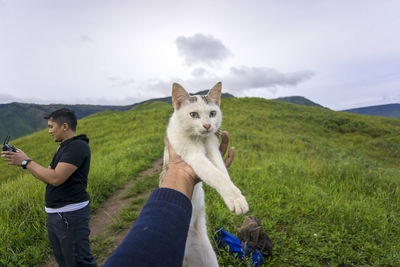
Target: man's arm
(54, 177)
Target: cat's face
(198, 115)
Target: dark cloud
(244, 78)
(201, 49)
(199, 72)
(85, 38)
(237, 81)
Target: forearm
(159, 235)
(178, 180)
(46, 175)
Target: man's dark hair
(64, 115)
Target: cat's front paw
(238, 204)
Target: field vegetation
(325, 184)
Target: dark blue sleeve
(159, 234)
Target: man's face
(56, 131)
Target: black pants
(69, 236)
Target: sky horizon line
(161, 97)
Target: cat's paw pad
(238, 205)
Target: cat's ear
(179, 95)
(215, 93)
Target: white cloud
(201, 49)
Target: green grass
(122, 144)
(100, 247)
(142, 186)
(325, 184)
(129, 214)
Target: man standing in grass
(67, 201)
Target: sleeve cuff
(172, 196)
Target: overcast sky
(340, 54)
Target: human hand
(176, 163)
(14, 158)
(223, 147)
(179, 176)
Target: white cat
(191, 132)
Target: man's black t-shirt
(75, 151)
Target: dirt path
(106, 215)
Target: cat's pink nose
(207, 126)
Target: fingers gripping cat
(191, 132)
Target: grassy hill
(299, 100)
(389, 110)
(325, 184)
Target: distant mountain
(19, 119)
(299, 100)
(389, 110)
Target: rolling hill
(299, 100)
(324, 184)
(389, 110)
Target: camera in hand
(7, 147)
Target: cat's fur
(191, 132)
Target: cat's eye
(213, 113)
(194, 115)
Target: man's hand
(14, 158)
(223, 147)
(176, 162)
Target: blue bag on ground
(226, 240)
